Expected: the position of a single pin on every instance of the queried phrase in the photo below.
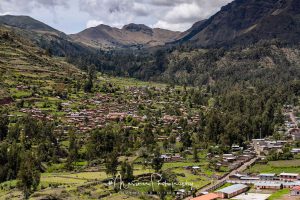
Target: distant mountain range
(241, 22)
(245, 39)
(131, 35)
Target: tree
(127, 172)
(157, 161)
(73, 150)
(91, 76)
(88, 86)
(186, 140)
(162, 192)
(29, 175)
(195, 154)
(111, 164)
(4, 121)
(148, 136)
(103, 141)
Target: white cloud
(174, 15)
(183, 13)
(4, 13)
(29, 5)
(170, 14)
(93, 23)
(170, 26)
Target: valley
(146, 113)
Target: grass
(120, 197)
(277, 195)
(285, 163)
(55, 167)
(179, 165)
(20, 94)
(61, 180)
(88, 175)
(291, 166)
(198, 181)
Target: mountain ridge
(28, 23)
(131, 35)
(247, 22)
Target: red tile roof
(210, 196)
(297, 188)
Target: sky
(72, 16)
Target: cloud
(168, 14)
(182, 14)
(93, 23)
(170, 26)
(16, 6)
(174, 15)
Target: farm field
(291, 166)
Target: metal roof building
(232, 191)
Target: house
(288, 176)
(229, 157)
(295, 151)
(236, 148)
(165, 157)
(181, 193)
(267, 177)
(295, 191)
(236, 176)
(196, 168)
(296, 136)
(268, 185)
(250, 178)
(232, 191)
(209, 196)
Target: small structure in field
(268, 185)
(267, 177)
(288, 176)
(295, 191)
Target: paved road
(240, 169)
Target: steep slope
(46, 37)
(248, 21)
(24, 66)
(131, 35)
(27, 23)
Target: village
(102, 109)
(259, 186)
(230, 175)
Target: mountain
(24, 64)
(247, 22)
(131, 35)
(46, 37)
(27, 23)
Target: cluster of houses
(284, 178)
(264, 146)
(292, 122)
(109, 108)
(35, 113)
(234, 190)
(235, 159)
